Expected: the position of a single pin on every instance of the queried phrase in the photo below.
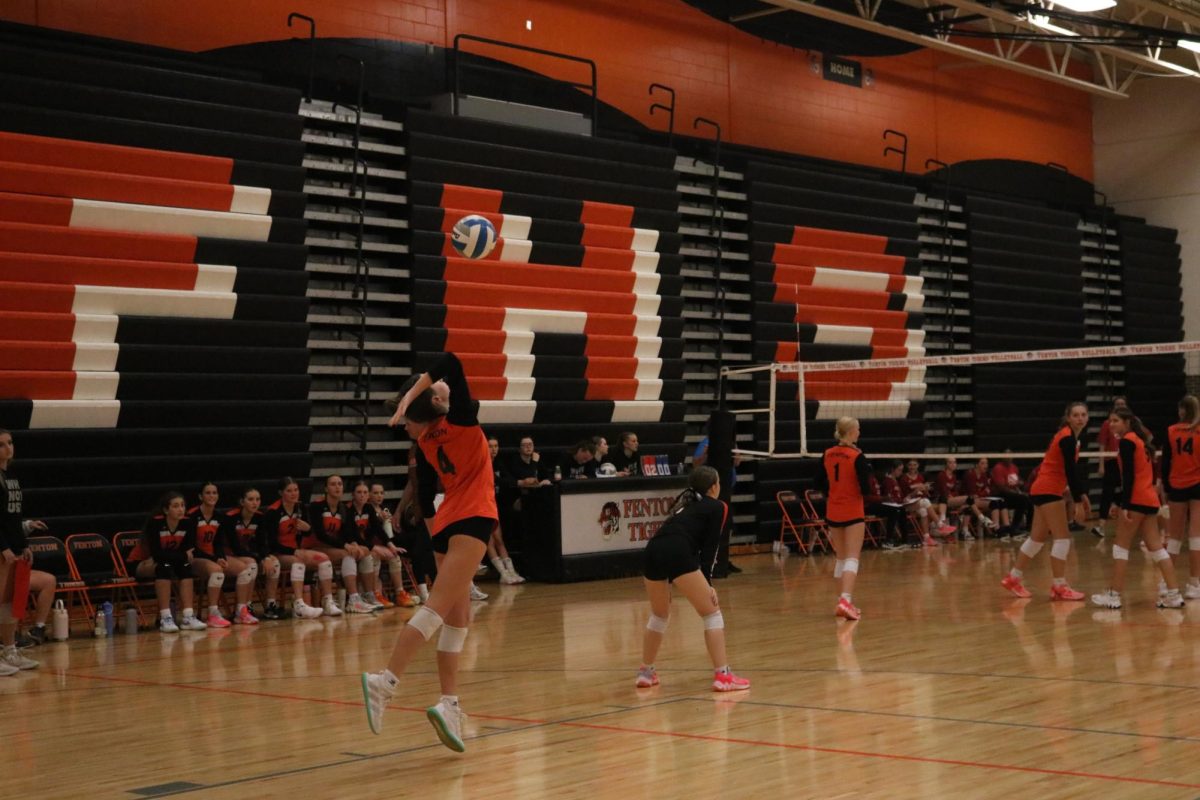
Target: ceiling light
(1187, 44)
(1043, 22)
(1085, 6)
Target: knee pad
(714, 621)
(1120, 553)
(1174, 546)
(657, 624)
(850, 565)
(426, 621)
(1031, 548)
(272, 568)
(451, 639)
(1194, 543)
(839, 567)
(395, 564)
(366, 565)
(349, 567)
(297, 572)
(1060, 549)
(325, 570)
(248, 575)
(6, 614)
(1160, 554)
(216, 580)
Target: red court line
(676, 735)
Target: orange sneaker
(404, 599)
(846, 610)
(1015, 586)
(383, 601)
(728, 682)
(1061, 591)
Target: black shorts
(668, 557)
(843, 524)
(476, 527)
(175, 569)
(1149, 511)
(1043, 499)
(1184, 495)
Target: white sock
(722, 670)
(1016, 573)
(423, 590)
(846, 596)
(214, 611)
(164, 614)
(390, 679)
(188, 613)
(450, 699)
(354, 598)
(1060, 581)
(241, 607)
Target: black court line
(968, 720)
(417, 749)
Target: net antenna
(802, 368)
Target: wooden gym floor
(946, 688)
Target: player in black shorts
(170, 537)
(683, 551)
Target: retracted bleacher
(152, 284)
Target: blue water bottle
(109, 622)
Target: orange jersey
(844, 499)
(1181, 457)
(459, 454)
(1136, 489)
(1052, 478)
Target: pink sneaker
(930, 542)
(846, 610)
(217, 621)
(646, 678)
(947, 530)
(1015, 586)
(244, 617)
(1064, 592)
(728, 682)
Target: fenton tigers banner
(603, 522)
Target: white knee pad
(273, 568)
(923, 508)
(325, 570)
(850, 565)
(657, 624)
(1194, 543)
(451, 639)
(297, 572)
(216, 580)
(714, 621)
(1060, 549)
(366, 565)
(395, 564)
(6, 614)
(1120, 553)
(349, 567)
(1160, 554)
(248, 575)
(1031, 548)
(1174, 546)
(426, 621)
(839, 567)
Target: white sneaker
(507, 578)
(481, 569)
(1107, 599)
(1193, 591)
(512, 571)
(355, 606)
(13, 657)
(967, 537)
(192, 623)
(989, 524)
(1171, 599)
(330, 608)
(476, 594)
(370, 599)
(376, 694)
(304, 611)
(167, 625)
(7, 669)
(448, 720)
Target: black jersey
(167, 545)
(700, 524)
(332, 527)
(12, 527)
(367, 525)
(244, 539)
(282, 535)
(208, 533)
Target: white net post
(803, 416)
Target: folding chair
(877, 522)
(788, 525)
(124, 544)
(819, 527)
(50, 555)
(94, 562)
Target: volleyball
(473, 236)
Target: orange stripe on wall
(37, 356)
(35, 210)
(37, 327)
(24, 238)
(50, 151)
(36, 297)
(92, 185)
(27, 385)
